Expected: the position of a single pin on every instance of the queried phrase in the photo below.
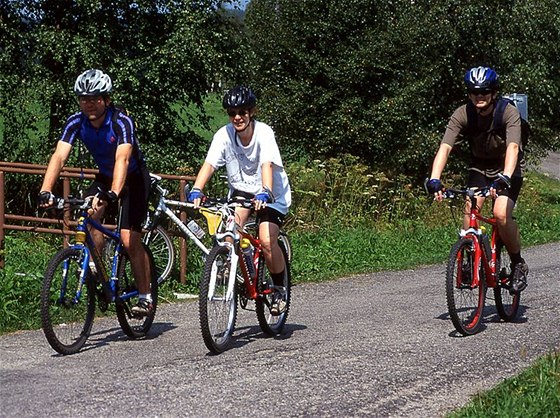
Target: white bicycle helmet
(93, 83)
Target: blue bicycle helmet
(239, 96)
(481, 78)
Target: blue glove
(195, 193)
(264, 196)
(501, 182)
(110, 197)
(434, 186)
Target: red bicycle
(478, 261)
(235, 271)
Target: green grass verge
(534, 393)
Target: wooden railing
(10, 221)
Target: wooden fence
(11, 221)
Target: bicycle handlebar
(232, 202)
(451, 193)
(73, 202)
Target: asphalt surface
(377, 345)
(551, 165)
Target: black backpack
(498, 122)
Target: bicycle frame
(235, 234)
(164, 206)
(475, 232)
(84, 242)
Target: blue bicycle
(78, 276)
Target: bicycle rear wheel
(67, 304)
(269, 323)
(507, 302)
(216, 312)
(162, 249)
(133, 325)
(285, 240)
(465, 299)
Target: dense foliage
(379, 79)
(158, 53)
(373, 79)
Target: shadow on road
(105, 337)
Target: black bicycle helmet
(93, 83)
(481, 78)
(239, 96)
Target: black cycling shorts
(264, 215)
(477, 179)
(133, 197)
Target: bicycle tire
(274, 324)
(66, 321)
(465, 302)
(217, 315)
(285, 239)
(132, 325)
(507, 302)
(161, 245)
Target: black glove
(110, 197)
(434, 186)
(45, 198)
(501, 182)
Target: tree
(379, 79)
(161, 55)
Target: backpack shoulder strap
(472, 124)
(501, 104)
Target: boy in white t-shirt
(248, 150)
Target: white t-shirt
(244, 164)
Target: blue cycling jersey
(102, 143)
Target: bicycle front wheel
(217, 312)
(273, 324)
(507, 302)
(134, 326)
(465, 299)
(67, 302)
(161, 245)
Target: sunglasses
(481, 92)
(90, 99)
(233, 113)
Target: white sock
(147, 296)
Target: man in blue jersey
(110, 137)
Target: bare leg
(507, 227)
(268, 235)
(139, 262)
(467, 211)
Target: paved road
(372, 345)
(551, 165)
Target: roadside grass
(533, 393)
(419, 233)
